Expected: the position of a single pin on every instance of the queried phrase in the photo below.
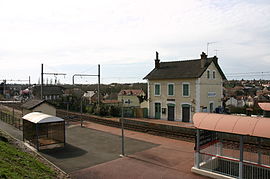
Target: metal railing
(223, 160)
(11, 119)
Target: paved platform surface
(169, 159)
(87, 147)
(93, 152)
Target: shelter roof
(38, 118)
(242, 125)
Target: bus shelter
(231, 146)
(43, 131)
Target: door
(211, 107)
(157, 110)
(170, 113)
(185, 113)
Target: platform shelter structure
(43, 131)
(231, 146)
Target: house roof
(264, 106)
(38, 118)
(49, 90)
(242, 125)
(182, 69)
(110, 101)
(31, 104)
(131, 92)
(89, 94)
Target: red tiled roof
(264, 106)
(131, 92)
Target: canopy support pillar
(197, 154)
(241, 147)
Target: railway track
(76, 117)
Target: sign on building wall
(211, 94)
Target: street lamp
(122, 130)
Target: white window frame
(155, 89)
(168, 89)
(186, 83)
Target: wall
(211, 85)
(177, 97)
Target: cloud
(66, 33)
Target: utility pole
(29, 81)
(122, 130)
(207, 46)
(81, 114)
(216, 51)
(4, 90)
(41, 86)
(42, 73)
(98, 87)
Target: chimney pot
(157, 64)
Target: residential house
(35, 105)
(178, 89)
(238, 101)
(131, 97)
(88, 96)
(50, 92)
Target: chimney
(203, 59)
(157, 64)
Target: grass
(17, 164)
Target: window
(157, 89)
(170, 89)
(214, 74)
(185, 89)
(208, 74)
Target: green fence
(11, 119)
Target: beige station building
(178, 89)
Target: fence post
(13, 115)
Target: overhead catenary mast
(42, 74)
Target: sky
(73, 37)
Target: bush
(115, 111)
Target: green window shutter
(170, 90)
(157, 89)
(185, 89)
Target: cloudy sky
(122, 36)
